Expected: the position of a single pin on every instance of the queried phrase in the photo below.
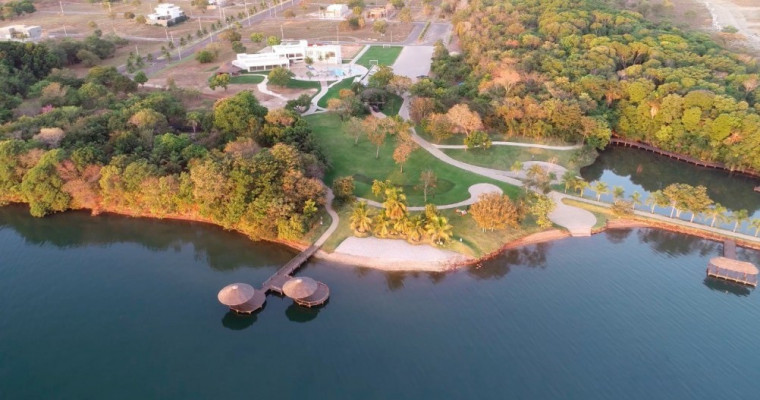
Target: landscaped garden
(348, 159)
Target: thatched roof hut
(228, 68)
(733, 270)
(299, 288)
(236, 294)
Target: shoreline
(546, 236)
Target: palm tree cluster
(678, 197)
(394, 221)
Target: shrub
(129, 15)
(205, 56)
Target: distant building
(166, 14)
(335, 11)
(298, 50)
(282, 55)
(213, 4)
(21, 33)
(260, 62)
(381, 12)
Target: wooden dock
(276, 281)
(681, 157)
(730, 269)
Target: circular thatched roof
(298, 288)
(235, 294)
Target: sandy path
(726, 13)
(475, 191)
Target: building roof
(337, 7)
(235, 294)
(299, 288)
(734, 265)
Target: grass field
(383, 55)
(333, 92)
(502, 157)
(247, 79)
(299, 84)
(393, 104)
(359, 161)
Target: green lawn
(247, 79)
(359, 161)
(333, 92)
(393, 104)
(383, 55)
(502, 157)
(299, 84)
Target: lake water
(119, 308)
(640, 171)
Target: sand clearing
(735, 13)
(395, 255)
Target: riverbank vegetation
(581, 70)
(98, 143)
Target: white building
(21, 33)
(298, 50)
(335, 11)
(166, 14)
(282, 55)
(260, 62)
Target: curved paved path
(576, 220)
(475, 191)
(514, 144)
(335, 219)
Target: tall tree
(494, 211)
(428, 183)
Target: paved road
(414, 61)
(335, 219)
(515, 144)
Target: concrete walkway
(514, 144)
(475, 191)
(335, 219)
(577, 221)
(674, 221)
(263, 89)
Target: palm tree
(568, 179)
(739, 217)
(635, 199)
(718, 213)
(361, 222)
(580, 186)
(395, 203)
(415, 228)
(657, 198)
(438, 229)
(617, 193)
(194, 119)
(755, 224)
(600, 188)
(382, 225)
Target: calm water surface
(111, 307)
(640, 171)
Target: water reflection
(533, 256)
(676, 244)
(78, 229)
(296, 313)
(726, 287)
(618, 235)
(636, 169)
(238, 322)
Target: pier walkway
(681, 157)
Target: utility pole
(200, 26)
(60, 3)
(282, 35)
(64, 31)
(137, 51)
(337, 34)
(166, 31)
(172, 36)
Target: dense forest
(99, 143)
(579, 69)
